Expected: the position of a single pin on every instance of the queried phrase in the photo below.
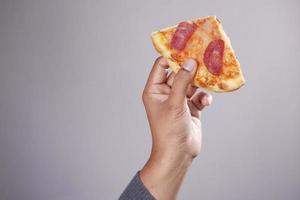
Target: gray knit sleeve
(136, 190)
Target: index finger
(158, 74)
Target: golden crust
(209, 28)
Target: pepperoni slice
(182, 34)
(213, 57)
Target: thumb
(181, 82)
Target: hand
(173, 108)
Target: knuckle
(146, 96)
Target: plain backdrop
(72, 123)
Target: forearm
(164, 174)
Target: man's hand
(173, 109)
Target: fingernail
(189, 65)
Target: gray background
(72, 124)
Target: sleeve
(136, 190)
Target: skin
(173, 109)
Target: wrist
(170, 159)
(164, 172)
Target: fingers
(158, 73)
(198, 102)
(191, 89)
(201, 99)
(181, 82)
(159, 89)
(171, 79)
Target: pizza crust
(209, 28)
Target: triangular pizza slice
(204, 40)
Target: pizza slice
(205, 41)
